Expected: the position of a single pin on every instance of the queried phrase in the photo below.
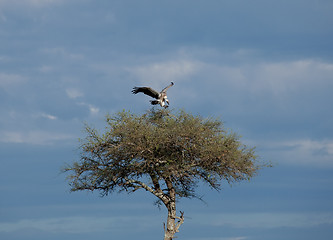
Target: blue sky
(264, 67)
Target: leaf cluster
(149, 150)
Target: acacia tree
(162, 153)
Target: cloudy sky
(264, 67)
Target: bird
(161, 97)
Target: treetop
(148, 150)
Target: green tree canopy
(164, 153)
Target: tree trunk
(171, 222)
(171, 226)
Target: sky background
(265, 68)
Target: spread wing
(166, 88)
(146, 90)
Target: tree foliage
(165, 153)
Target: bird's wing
(146, 90)
(166, 88)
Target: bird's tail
(154, 102)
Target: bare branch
(180, 221)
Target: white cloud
(4, 58)
(73, 93)
(3, 18)
(316, 153)
(269, 220)
(33, 137)
(281, 78)
(93, 109)
(33, 3)
(11, 80)
(42, 2)
(281, 81)
(80, 224)
(278, 83)
(160, 73)
(325, 147)
(62, 52)
(46, 69)
(48, 116)
(67, 225)
(221, 238)
(275, 78)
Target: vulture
(161, 97)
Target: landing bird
(160, 96)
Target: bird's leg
(166, 105)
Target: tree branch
(165, 199)
(180, 221)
